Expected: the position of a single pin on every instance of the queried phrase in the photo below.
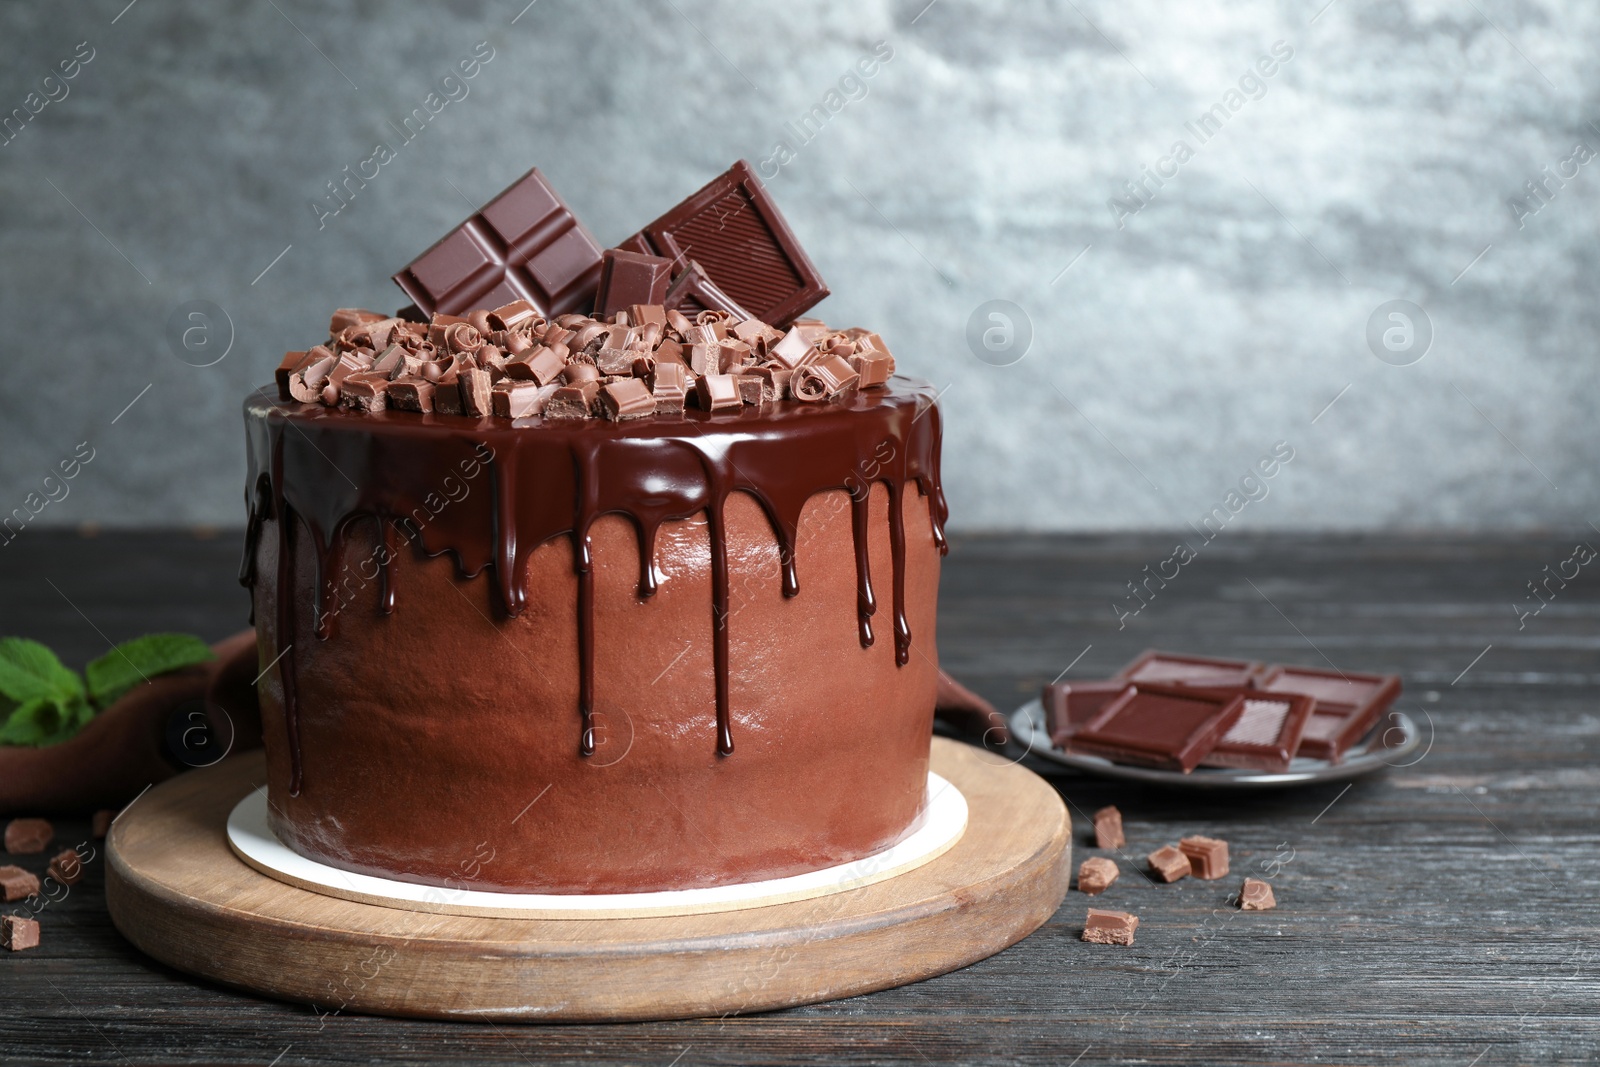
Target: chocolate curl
(292, 361)
(513, 315)
(823, 380)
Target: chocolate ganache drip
(320, 471)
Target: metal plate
(1390, 743)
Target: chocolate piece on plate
(1169, 864)
(1158, 726)
(1267, 733)
(1347, 705)
(1172, 668)
(16, 883)
(1108, 828)
(628, 278)
(1109, 927)
(1208, 856)
(18, 933)
(1096, 874)
(1068, 705)
(735, 230)
(28, 836)
(1257, 896)
(525, 244)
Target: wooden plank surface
(1443, 913)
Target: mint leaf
(45, 721)
(30, 672)
(132, 662)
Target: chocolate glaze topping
(319, 471)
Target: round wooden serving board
(178, 892)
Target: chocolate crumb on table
(1169, 864)
(1108, 828)
(16, 883)
(1096, 874)
(1109, 927)
(67, 867)
(101, 824)
(1208, 856)
(25, 837)
(1256, 896)
(17, 933)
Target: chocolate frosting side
(420, 476)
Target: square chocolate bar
(1068, 705)
(736, 233)
(1347, 705)
(1172, 668)
(1159, 726)
(1267, 734)
(525, 244)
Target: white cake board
(935, 832)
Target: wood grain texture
(1437, 914)
(177, 891)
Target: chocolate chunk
(305, 383)
(774, 381)
(66, 867)
(648, 314)
(1267, 733)
(525, 244)
(793, 349)
(411, 394)
(1096, 874)
(1347, 705)
(24, 837)
(474, 385)
(874, 368)
(542, 365)
(1108, 828)
(733, 227)
(824, 379)
(578, 373)
(18, 933)
(1158, 726)
(1109, 927)
(447, 399)
(292, 361)
(693, 292)
(573, 401)
(750, 388)
(1208, 856)
(1069, 705)
(16, 883)
(717, 392)
(1169, 864)
(628, 278)
(512, 315)
(1168, 668)
(1257, 896)
(100, 825)
(614, 361)
(514, 399)
(705, 359)
(669, 385)
(365, 391)
(626, 399)
(391, 362)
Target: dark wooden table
(1440, 913)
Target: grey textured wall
(1179, 330)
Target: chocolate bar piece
(411, 394)
(1109, 927)
(1169, 668)
(573, 401)
(16, 883)
(24, 837)
(628, 278)
(1208, 856)
(1346, 705)
(292, 361)
(1096, 874)
(626, 398)
(734, 229)
(66, 867)
(1267, 733)
(1069, 705)
(1159, 726)
(100, 825)
(1108, 828)
(1169, 864)
(1257, 896)
(717, 392)
(517, 400)
(525, 244)
(693, 292)
(18, 933)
